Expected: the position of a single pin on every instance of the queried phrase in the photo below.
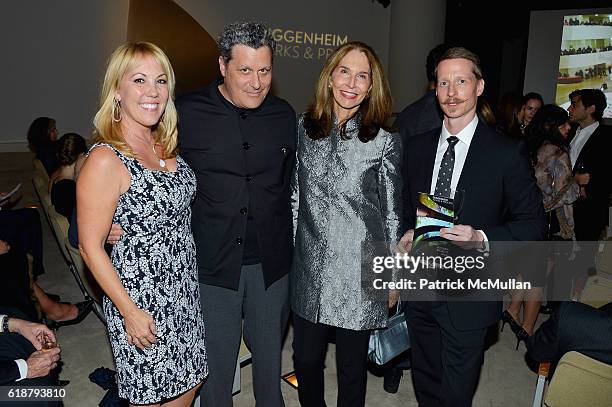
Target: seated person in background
(16, 292)
(22, 359)
(574, 327)
(71, 151)
(42, 140)
(22, 230)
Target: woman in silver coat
(346, 194)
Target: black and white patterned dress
(155, 260)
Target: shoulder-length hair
(38, 133)
(545, 127)
(120, 62)
(375, 109)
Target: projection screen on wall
(585, 59)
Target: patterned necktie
(443, 183)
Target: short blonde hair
(121, 61)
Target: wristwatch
(5, 326)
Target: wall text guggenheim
(307, 45)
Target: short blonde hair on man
(121, 61)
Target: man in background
(589, 154)
(424, 114)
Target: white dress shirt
(461, 149)
(581, 138)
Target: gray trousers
(265, 319)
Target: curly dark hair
(70, 147)
(249, 33)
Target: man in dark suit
(23, 363)
(589, 153)
(590, 148)
(500, 202)
(574, 327)
(240, 142)
(423, 115)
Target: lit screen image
(585, 59)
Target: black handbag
(387, 343)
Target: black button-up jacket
(242, 159)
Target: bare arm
(102, 180)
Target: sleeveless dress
(155, 260)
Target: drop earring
(116, 113)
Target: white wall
(54, 54)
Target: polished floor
(505, 378)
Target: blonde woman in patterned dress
(133, 177)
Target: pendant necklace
(162, 163)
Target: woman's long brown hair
(375, 109)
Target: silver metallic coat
(345, 193)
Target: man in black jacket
(589, 154)
(240, 142)
(22, 360)
(501, 202)
(423, 115)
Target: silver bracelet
(2, 318)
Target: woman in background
(42, 139)
(547, 140)
(71, 149)
(532, 102)
(346, 192)
(133, 177)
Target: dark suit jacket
(574, 327)
(591, 214)
(419, 117)
(243, 162)
(12, 346)
(9, 372)
(500, 198)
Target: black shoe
(391, 380)
(507, 318)
(83, 307)
(521, 335)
